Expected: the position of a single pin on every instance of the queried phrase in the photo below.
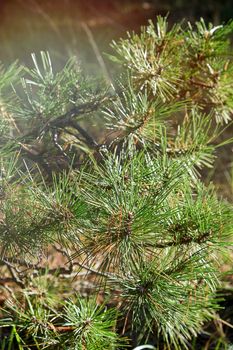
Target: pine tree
(110, 179)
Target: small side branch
(57, 145)
(14, 273)
(88, 138)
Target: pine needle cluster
(123, 204)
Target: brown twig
(14, 273)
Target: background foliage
(125, 209)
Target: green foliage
(182, 63)
(93, 325)
(125, 212)
(87, 324)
